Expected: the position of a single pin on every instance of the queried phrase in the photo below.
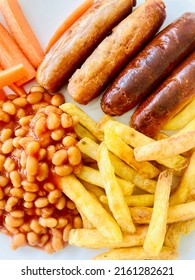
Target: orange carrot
(22, 31)
(76, 14)
(2, 95)
(12, 75)
(11, 54)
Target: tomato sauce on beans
(37, 143)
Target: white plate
(45, 16)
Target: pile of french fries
(136, 195)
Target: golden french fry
(84, 119)
(92, 238)
(91, 208)
(189, 127)
(93, 176)
(143, 200)
(81, 132)
(157, 227)
(175, 230)
(98, 191)
(123, 170)
(135, 139)
(182, 118)
(176, 213)
(86, 223)
(116, 200)
(166, 148)
(186, 185)
(137, 253)
(117, 146)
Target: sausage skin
(78, 42)
(115, 51)
(143, 74)
(167, 100)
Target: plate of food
(97, 129)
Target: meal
(68, 179)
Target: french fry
(176, 213)
(157, 227)
(98, 191)
(86, 223)
(117, 146)
(136, 253)
(84, 119)
(93, 176)
(81, 132)
(166, 148)
(182, 118)
(142, 200)
(186, 186)
(91, 238)
(135, 139)
(123, 170)
(91, 208)
(116, 200)
(189, 127)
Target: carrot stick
(11, 54)
(18, 90)
(68, 22)
(22, 31)
(2, 95)
(12, 75)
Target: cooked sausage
(150, 66)
(114, 52)
(167, 100)
(79, 41)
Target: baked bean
(29, 196)
(66, 120)
(40, 126)
(17, 213)
(17, 192)
(46, 212)
(7, 146)
(53, 121)
(12, 229)
(37, 89)
(20, 132)
(61, 203)
(60, 157)
(37, 212)
(2, 161)
(74, 155)
(2, 204)
(32, 165)
(1, 194)
(4, 117)
(37, 227)
(15, 178)
(77, 222)
(57, 100)
(63, 170)
(47, 97)
(49, 187)
(48, 248)
(10, 203)
(20, 102)
(54, 196)
(50, 151)
(36, 107)
(57, 243)
(34, 97)
(30, 187)
(70, 205)
(9, 108)
(69, 141)
(66, 232)
(20, 113)
(50, 108)
(18, 240)
(16, 142)
(6, 134)
(78, 168)
(30, 178)
(62, 222)
(32, 148)
(42, 154)
(43, 239)
(28, 205)
(48, 222)
(25, 227)
(3, 181)
(33, 238)
(9, 164)
(41, 202)
(43, 172)
(57, 134)
(13, 222)
(25, 120)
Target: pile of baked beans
(37, 144)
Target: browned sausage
(167, 100)
(150, 66)
(115, 51)
(79, 41)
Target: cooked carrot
(2, 95)
(68, 22)
(18, 90)
(22, 31)
(11, 54)
(12, 75)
